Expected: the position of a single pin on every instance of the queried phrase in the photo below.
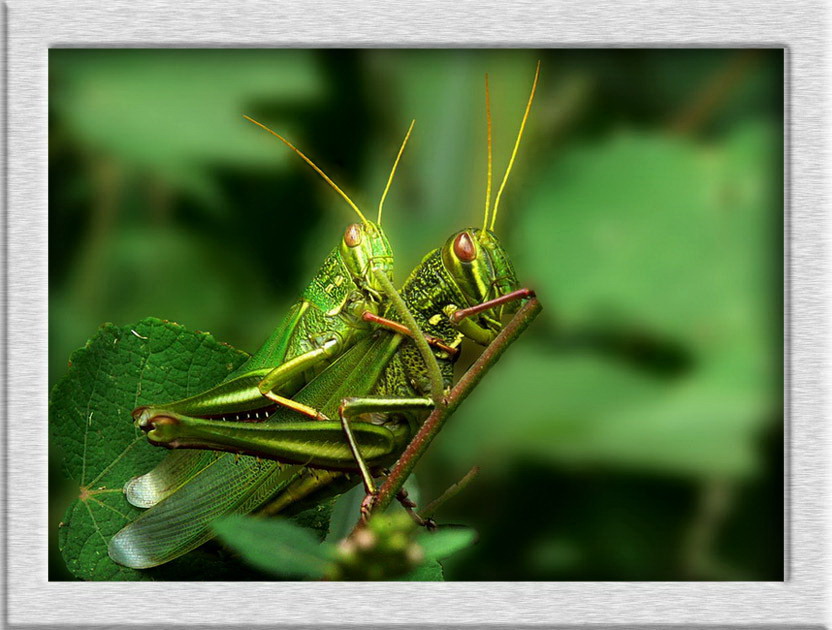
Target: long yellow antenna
(393, 171)
(488, 178)
(313, 165)
(516, 146)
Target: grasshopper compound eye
(352, 237)
(464, 247)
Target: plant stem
(430, 509)
(404, 466)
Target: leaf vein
(111, 508)
(87, 420)
(116, 460)
(94, 522)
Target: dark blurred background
(636, 431)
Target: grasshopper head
(365, 248)
(482, 270)
(504, 280)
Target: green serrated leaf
(276, 545)
(89, 418)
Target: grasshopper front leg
(272, 383)
(483, 335)
(404, 330)
(284, 373)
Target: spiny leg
(315, 444)
(310, 412)
(409, 505)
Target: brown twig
(404, 466)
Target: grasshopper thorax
(365, 250)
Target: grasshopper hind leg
(352, 407)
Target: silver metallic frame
(33, 27)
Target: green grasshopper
(323, 324)
(460, 290)
(383, 376)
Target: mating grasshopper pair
(341, 356)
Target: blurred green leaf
(347, 509)
(316, 518)
(345, 514)
(587, 409)
(118, 370)
(658, 232)
(430, 571)
(276, 545)
(445, 541)
(644, 235)
(281, 547)
(176, 113)
(176, 271)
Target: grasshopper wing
(181, 522)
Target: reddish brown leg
(367, 506)
(299, 407)
(519, 294)
(400, 328)
(408, 505)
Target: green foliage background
(636, 431)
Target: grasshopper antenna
(393, 171)
(488, 141)
(516, 146)
(314, 166)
